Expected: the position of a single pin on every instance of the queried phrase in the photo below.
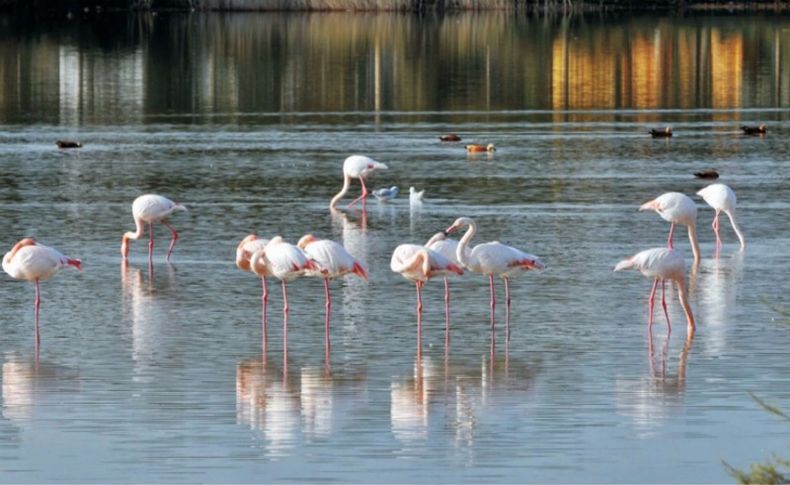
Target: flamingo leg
(507, 309)
(172, 241)
(650, 304)
(150, 243)
(671, 235)
(328, 306)
(419, 316)
(264, 302)
(715, 226)
(364, 194)
(664, 305)
(285, 318)
(493, 300)
(36, 331)
(446, 312)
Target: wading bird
(661, 133)
(449, 249)
(722, 198)
(754, 130)
(356, 166)
(677, 208)
(477, 148)
(244, 251)
(148, 209)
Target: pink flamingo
(419, 264)
(285, 262)
(332, 261)
(661, 264)
(244, 251)
(722, 199)
(447, 248)
(677, 208)
(356, 166)
(32, 261)
(147, 209)
(493, 258)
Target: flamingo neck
(346, 185)
(460, 251)
(683, 296)
(140, 228)
(737, 230)
(694, 243)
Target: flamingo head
(258, 262)
(125, 244)
(459, 223)
(242, 255)
(74, 262)
(306, 240)
(624, 264)
(651, 205)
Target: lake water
(246, 120)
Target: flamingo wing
(287, 261)
(331, 257)
(501, 259)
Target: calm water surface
(246, 120)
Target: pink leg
(651, 304)
(507, 309)
(664, 305)
(264, 302)
(150, 243)
(446, 312)
(36, 331)
(328, 311)
(172, 241)
(364, 193)
(419, 316)
(671, 235)
(285, 319)
(493, 301)
(715, 226)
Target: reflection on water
(240, 63)
(717, 302)
(28, 384)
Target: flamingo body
(148, 209)
(331, 258)
(419, 264)
(246, 248)
(356, 166)
(722, 198)
(677, 208)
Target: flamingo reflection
(31, 383)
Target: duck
(449, 137)
(476, 148)
(68, 144)
(754, 130)
(386, 194)
(708, 173)
(415, 198)
(661, 133)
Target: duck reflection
(717, 284)
(287, 407)
(28, 383)
(653, 399)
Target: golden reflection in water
(650, 400)
(726, 68)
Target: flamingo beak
(450, 230)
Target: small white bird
(32, 261)
(414, 196)
(661, 264)
(147, 209)
(722, 199)
(386, 194)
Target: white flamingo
(147, 209)
(661, 264)
(493, 259)
(285, 262)
(722, 198)
(32, 261)
(448, 248)
(419, 264)
(356, 166)
(332, 261)
(244, 251)
(677, 208)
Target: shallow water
(160, 377)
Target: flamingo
(722, 198)
(332, 261)
(285, 262)
(661, 264)
(147, 209)
(244, 251)
(677, 208)
(419, 264)
(493, 258)
(447, 248)
(32, 261)
(356, 166)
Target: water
(246, 119)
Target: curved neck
(737, 230)
(684, 302)
(694, 243)
(346, 185)
(139, 230)
(460, 251)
